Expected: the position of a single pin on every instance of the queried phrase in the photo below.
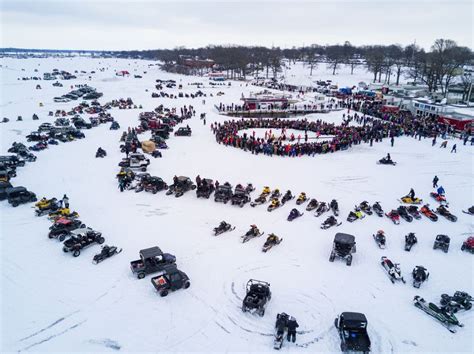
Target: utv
(82, 238)
(257, 296)
(153, 184)
(183, 131)
(19, 195)
(343, 247)
(223, 193)
(12, 161)
(352, 328)
(182, 185)
(151, 260)
(205, 189)
(240, 197)
(62, 227)
(172, 279)
(442, 242)
(4, 186)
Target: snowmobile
(385, 161)
(334, 207)
(63, 213)
(275, 194)
(446, 318)
(262, 199)
(106, 252)
(394, 216)
(272, 240)
(294, 213)
(365, 207)
(403, 212)
(45, 206)
(266, 191)
(313, 204)
(413, 211)
(469, 211)
(410, 241)
(250, 188)
(378, 209)
(354, 215)
(408, 200)
(420, 274)
(329, 222)
(380, 239)
(442, 242)
(288, 196)
(441, 198)
(321, 209)
(100, 153)
(301, 198)
(252, 233)
(459, 301)
(223, 227)
(426, 211)
(468, 245)
(280, 326)
(392, 269)
(443, 210)
(275, 203)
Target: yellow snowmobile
(266, 191)
(275, 203)
(61, 213)
(407, 200)
(45, 206)
(301, 198)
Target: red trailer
(459, 123)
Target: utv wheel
(163, 293)
(244, 309)
(50, 236)
(143, 169)
(186, 285)
(343, 347)
(331, 258)
(349, 261)
(65, 250)
(463, 247)
(155, 191)
(14, 205)
(193, 187)
(62, 237)
(83, 226)
(261, 312)
(141, 275)
(76, 253)
(101, 240)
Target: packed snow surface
(54, 302)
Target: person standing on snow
(66, 201)
(292, 326)
(454, 148)
(435, 181)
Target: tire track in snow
(48, 327)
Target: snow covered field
(52, 302)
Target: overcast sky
(151, 24)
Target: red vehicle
(438, 197)
(468, 245)
(426, 211)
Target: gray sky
(151, 24)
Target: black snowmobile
(413, 211)
(446, 318)
(380, 239)
(393, 270)
(262, 199)
(106, 252)
(365, 207)
(313, 204)
(288, 196)
(355, 215)
(443, 211)
(442, 242)
(410, 241)
(252, 233)
(377, 208)
(329, 222)
(403, 212)
(334, 207)
(385, 161)
(280, 327)
(274, 204)
(459, 301)
(223, 227)
(469, 211)
(294, 213)
(321, 209)
(272, 240)
(100, 153)
(275, 194)
(420, 274)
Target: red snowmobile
(441, 198)
(426, 211)
(394, 216)
(468, 245)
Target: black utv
(343, 247)
(19, 195)
(223, 193)
(352, 327)
(205, 189)
(183, 131)
(80, 239)
(152, 260)
(4, 186)
(442, 242)
(172, 279)
(12, 161)
(257, 296)
(240, 197)
(181, 186)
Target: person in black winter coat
(281, 324)
(435, 181)
(292, 326)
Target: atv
(468, 245)
(442, 242)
